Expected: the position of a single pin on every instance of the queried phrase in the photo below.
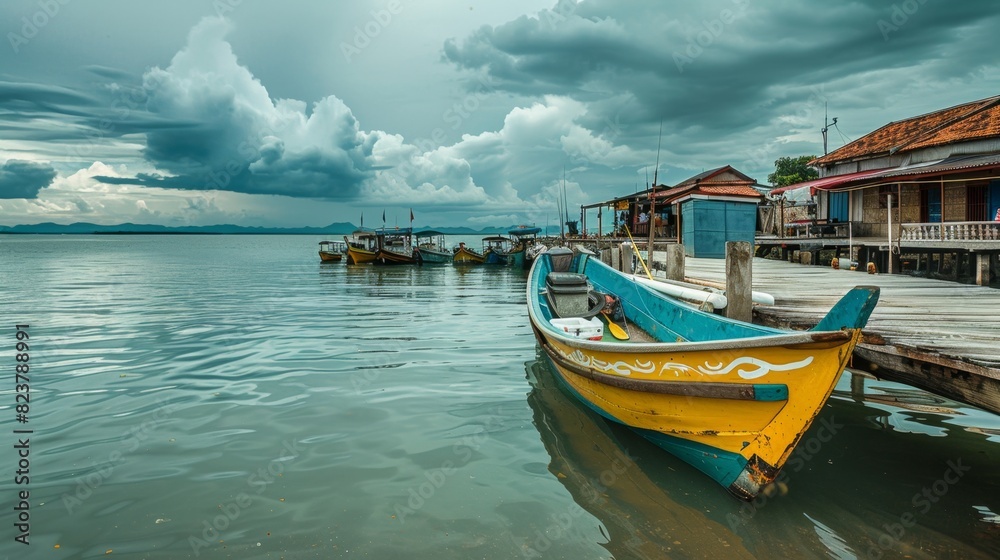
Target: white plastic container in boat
(578, 327)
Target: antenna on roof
(826, 126)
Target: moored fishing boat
(331, 251)
(523, 237)
(730, 398)
(495, 249)
(465, 255)
(431, 246)
(394, 247)
(361, 247)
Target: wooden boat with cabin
(361, 247)
(394, 247)
(495, 249)
(331, 251)
(465, 255)
(431, 246)
(523, 238)
(730, 398)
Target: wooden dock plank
(945, 335)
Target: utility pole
(652, 199)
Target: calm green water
(231, 397)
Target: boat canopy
(428, 233)
(519, 231)
(495, 238)
(396, 231)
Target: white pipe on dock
(700, 295)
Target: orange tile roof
(969, 121)
(982, 124)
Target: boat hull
(493, 257)
(330, 256)
(732, 403)
(386, 257)
(359, 256)
(464, 255)
(436, 257)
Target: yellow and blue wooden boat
(730, 398)
(361, 247)
(465, 255)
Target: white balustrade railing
(951, 231)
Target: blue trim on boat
(722, 466)
(770, 392)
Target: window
(975, 203)
(930, 204)
(838, 206)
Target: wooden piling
(983, 269)
(627, 258)
(675, 262)
(739, 280)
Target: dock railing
(951, 231)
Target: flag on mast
(383, 217)
(362, 220)
(411, 214)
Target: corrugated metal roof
(828, 182)
(969, 121)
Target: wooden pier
(936, 335)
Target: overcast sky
(304, 113)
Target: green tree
(791, 170)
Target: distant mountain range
(338, 228)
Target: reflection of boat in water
(730, 398)
(361, 247)
(643, 520)
(431, 246)
(331, 251)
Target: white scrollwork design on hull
(759, 367)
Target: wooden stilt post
(627, 250)
(675, 261)
(982, 269)
(739, 281)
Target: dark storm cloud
(23, 179)
(726, 64)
